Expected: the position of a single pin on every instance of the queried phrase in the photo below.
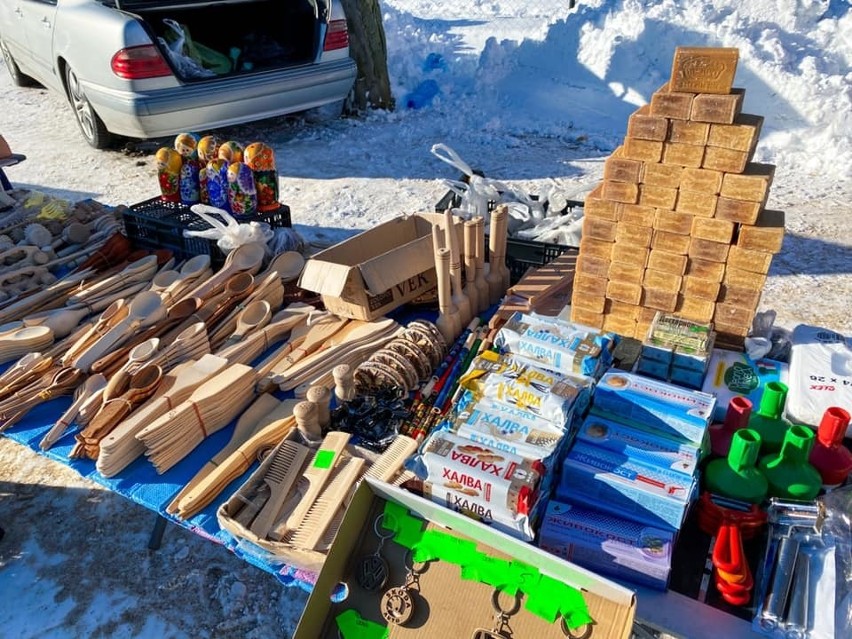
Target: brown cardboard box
(683, 154)
(739, 211)
(633, 255)
(702, 249)
(743, 279)
(725, 160)
(686, 132)
(673, 222)
(741, 297)
(713, 230)
(644, 126)
(638, 214)
(717, 109)
(702, 180)
(586, 318)
(623, 272)
(752, 185)
(622, 169)
(675, 105)
(660, 197)
(379, 269)
(595, 206)
(705, 270)
(630, 234)
(704, 69)
(696, 203)
(449, 607)
(661, 280)
(596, 248)
(642, 150)
(658, 300)
(667, 175)
(591, 265)
(624, 292)
(626, 192)
(767, 234)
(667, 262)
(695, 309)
(742, 135)
(752, 261)
(701, 289)
(670, 242)
(599, 229)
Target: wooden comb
(390, 462)
(280, 476)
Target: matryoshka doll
(231, 151)
(208, 149)
(187, 145)
(169, 163)
(217, 184)
(261, 159)
(242, 193)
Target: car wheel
(91, 126)
(18, 79)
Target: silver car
(151, 68)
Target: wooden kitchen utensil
(281, 475)
(460, 300)
(449, 321)
(470, 289)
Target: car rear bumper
(221, 102)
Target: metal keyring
(587, 632)
(409, 563)
(376, 527)
(495, 603)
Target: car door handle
(45, 23)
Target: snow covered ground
(539, 112)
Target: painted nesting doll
(242, 192)
(169, 163)
(187, 145)
(261, 159)
(208, 149)
(217, 184)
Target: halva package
(556, 345)
(493, 486)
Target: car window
(50, 2)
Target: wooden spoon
(94, 384)
(255, 316)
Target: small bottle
(788, 472)
(736, 476)
(768, 420)
(739, 411)
(829, 456)
(305, 414)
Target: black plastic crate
(520, 254)
(155, 224)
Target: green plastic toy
(768, 420)
(789, 474)
(736, 476)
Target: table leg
(157, 534)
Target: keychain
(373, 570)
(500, 631)
(586, 628)
(397, 605)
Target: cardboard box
(704, 69)
(667, 175)
(671, 104)
(644, 126)
(449, 607)
(702, 180)
(379, 269)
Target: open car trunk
(204, 39)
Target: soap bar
(596, 248)
(752, 184)
(613, 307)
(700, 289)
(638, 214)
(620, 191)
(767, 234)
(642, 150)
(696, 203)
(695, 309)
(641, 124)
(742, 135)
(667, 175)
(717, 109)
(743, 279)
(741, 211)
(730, 315)
(622, 169)
(660, 197)
(673, 222)
(725, 160)
(618, 324)
(741, 297)
(705, 270)
(586, 318)
(599, 229)
(646, 315)
(667, 262)
(670, 242)
(661, 280)
(683, 154)
(659, 300)
(702, 180)
(714, 230)
(635, 256)
(589, 285)
(704, 69)
(702, 249)
(623, 272)
(633, 235)
(596, 206)
(591, 303)
(687, 132)
(668, 104)
(624, 292)
(746, 260)
(591, 265)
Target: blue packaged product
(662, 353)
(653, 368)
(681, 457)
(673, 411)
(608, 544)
(686, 377)
(625, 487)
(690, 359)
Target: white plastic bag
(232, 233)
(186, 66)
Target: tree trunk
(368, 48)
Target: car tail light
(337, 36)
(137, 63)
